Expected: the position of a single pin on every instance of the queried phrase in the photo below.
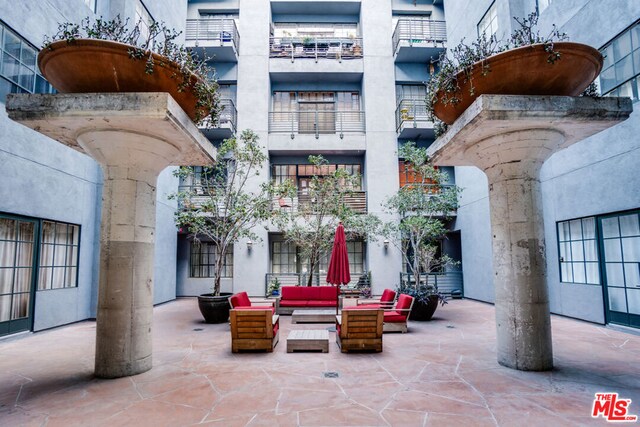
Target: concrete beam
(134, 136)
(509, 138)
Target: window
(91, 4)
(282, 173)
(542, 4)
(621, 72)
(204, 256)
(347, 30)
(18, 70)
(285, 259)
(578, 251)
(489, 22)
(59, 250)
(144, 21)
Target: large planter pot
(88, 65)
(424, 311)
(214, 309)
(524, 71)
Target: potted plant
(229, 210)
(112, 56)
(526, 64)
(274, 287)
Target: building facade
(341, 78)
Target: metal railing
(315, 47)
(412, 111)
(228, 115)
(429, 188)
(356, 200)
(302, 279)
(316, 122)
(222, 30)
(419, 31)
(445, 282)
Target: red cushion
(388, 296)
(294, 293)
(404, 302)
(275, 328)
(292, 303)
(256, 307)
(366, 306)
(321, 303)
(326, 293)
(338, 327)
(394, 317)
(240, 299)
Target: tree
(220, 205)
(422, 205)
(312, 224)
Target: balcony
(317, 122)
(447, 282)
(419, 40)
(412, 120)
(430, 189)
(218, 37)
(227, 121)
(315, 48)
(357, 201)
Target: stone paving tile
(441, 373)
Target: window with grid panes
(620, 75)
(578, 251)
(284, 257)
(59, 251)
(489, 22)
(204, 257)
(19, 72)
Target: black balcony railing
(356, 200)
(228, 115)
(302, 279)
(316, 122)
(223, 31)
(445, 282)
(411, 111)
(419, 31)
(315, 47)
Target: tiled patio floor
(441, 373)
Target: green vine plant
(160, 40)
(456, 68)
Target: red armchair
(395, 319)
(241, 300)
(386, 301)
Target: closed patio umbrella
(338, 272)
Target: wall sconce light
(249, 245)
(386, 245)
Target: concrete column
(509, 138)
(133, 136)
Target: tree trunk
(218, 272)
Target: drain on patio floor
(451, 327)
(198, 329)
(331, 374)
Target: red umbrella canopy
(338, 272)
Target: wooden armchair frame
(359, 330)
(254, 330)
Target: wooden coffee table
(308, 340)
(313, 316)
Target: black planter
(424, 311)
(214, 309)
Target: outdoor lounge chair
(359, 330)
(395, 319)
(254, 329)
(386, 301)
(241, 300)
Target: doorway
(18, 249)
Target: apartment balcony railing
(412, 112)
(227, 121)
(447, 282)
(356, 200)
(302, 279)
(419, 31)
(222, 31)
(315, 48)
(316, 122)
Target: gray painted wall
(598, 175)
(44, 179)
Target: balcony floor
(442, 372)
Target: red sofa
(306, 297)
